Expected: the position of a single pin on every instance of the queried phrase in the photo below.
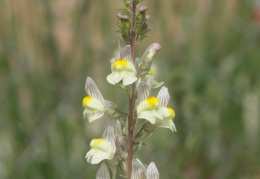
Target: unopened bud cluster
(141, 23)
(141, 26)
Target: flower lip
(151, 72)
(96, 142)
(101, 144)
(153, 102)
(171, 113)
(120, 64)
(86, 100)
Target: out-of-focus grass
(210, 61)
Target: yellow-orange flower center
(153, 102)
(120, 64)
(95, 142)
(151, 72)
(171, 112)
(86, 100)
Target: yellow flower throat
(153, 102)
(86, 100)
(171, 112)
(120, 64)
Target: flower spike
(126, 129)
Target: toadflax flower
(94, 104)
(168, 113)
(123, 69)
(102, 148)
(149, 106)
(154, 109)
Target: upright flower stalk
(124, 132)
(132, 97)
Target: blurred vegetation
(210, 61)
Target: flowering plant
(126, 131)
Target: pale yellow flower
(168, 113)
(101, 149)
(150, 110)
(123, 69)
(94, 104)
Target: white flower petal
(111, 79)
(163, 96)
(129, 78)
(144, 91)
(93, 91)
(92, 115)
(167, 123)
(138, 169)
(118, 76)
(125, 53)
(93, 104)
(152, 172)
(158, 113)
(89, 155)
(165, 111)
(156, 84)
(103, 172)
(108, 134)
(130, 67)
(148, 115)
(99, 156)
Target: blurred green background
(210, 60)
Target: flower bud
(142, 9)
(141, 16)
(147, 17)
(124, 25)
(146, 60)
